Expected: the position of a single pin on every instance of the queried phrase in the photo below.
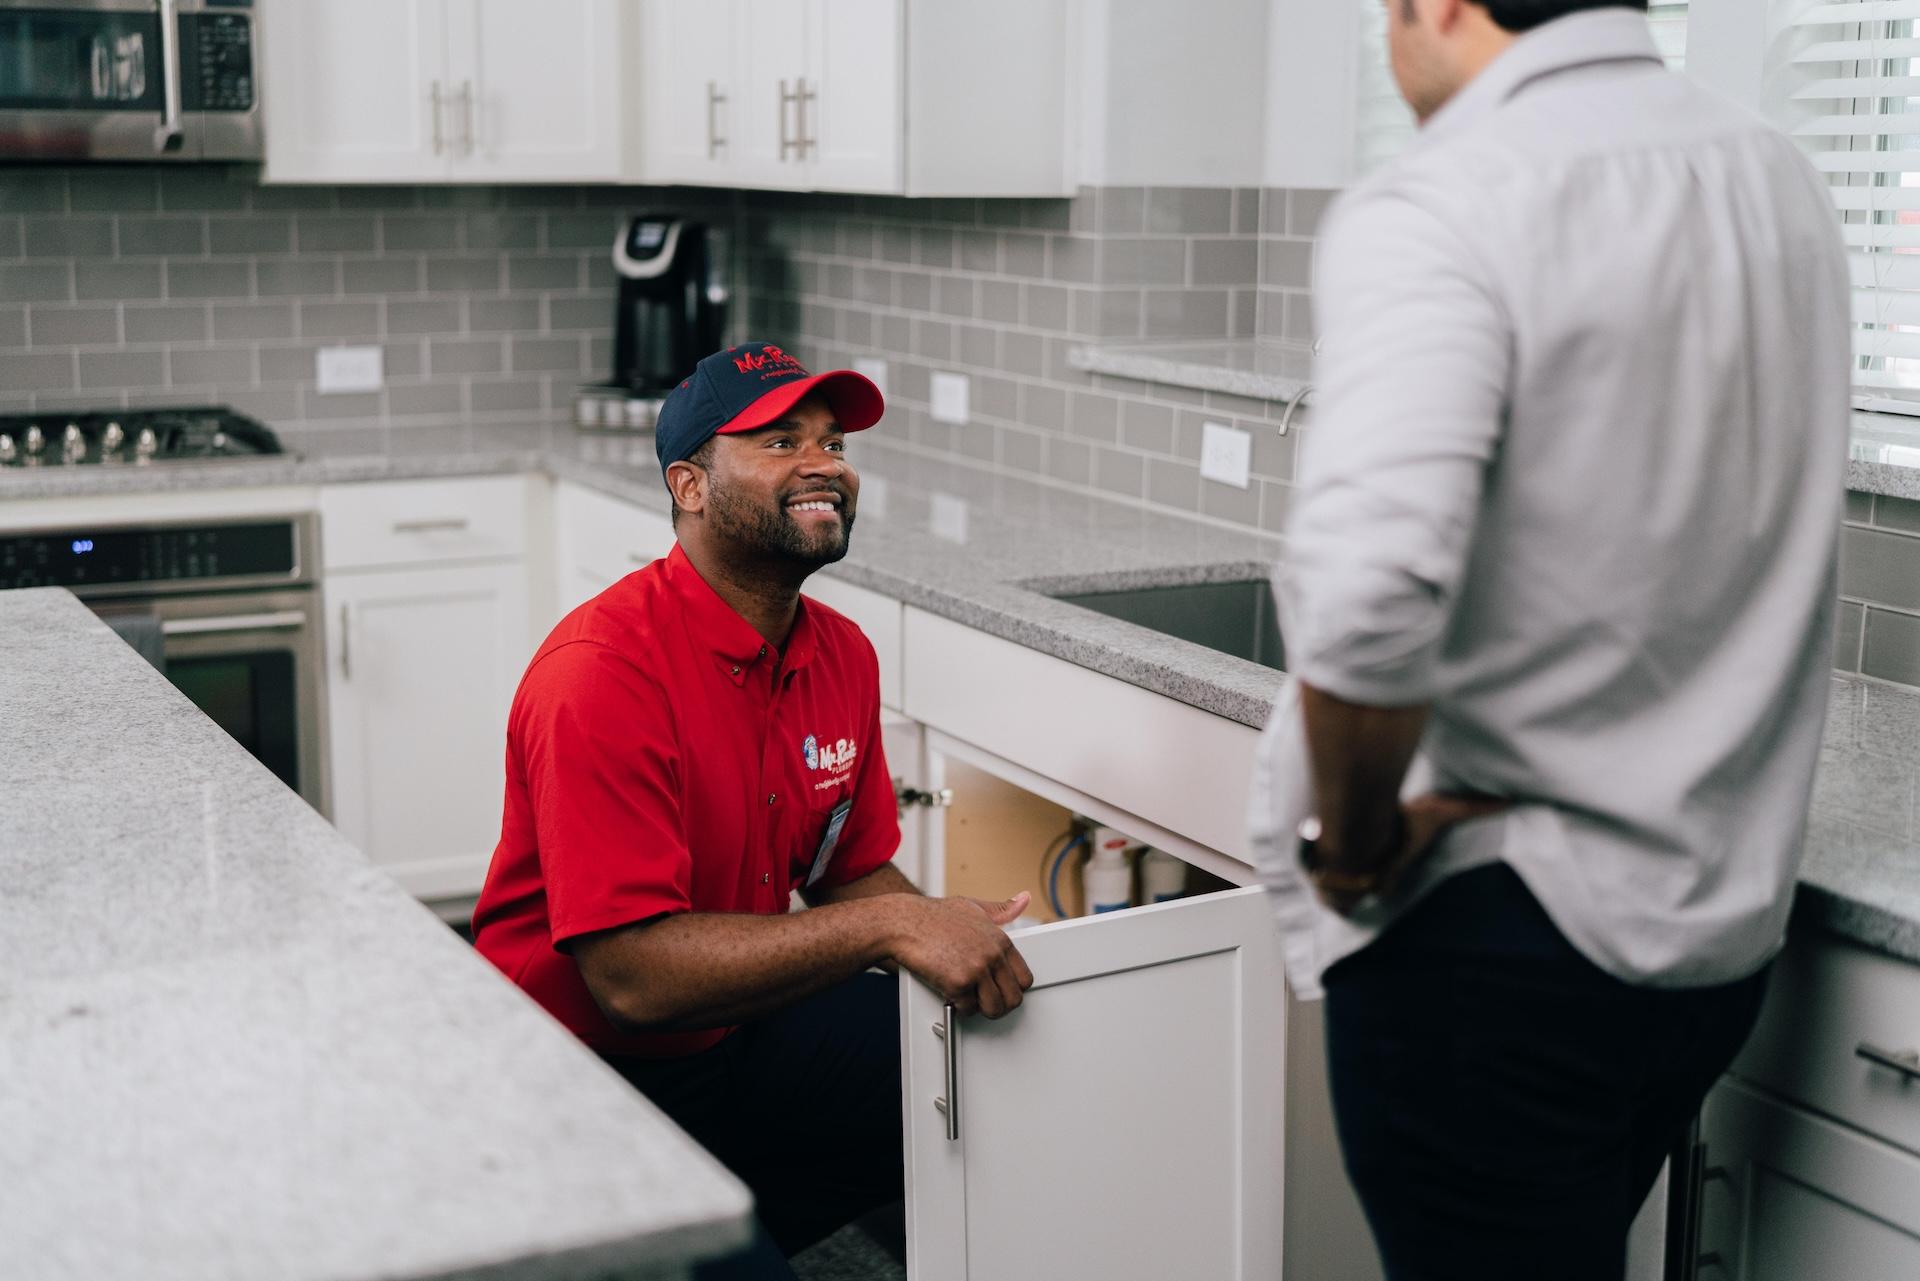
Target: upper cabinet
(894, 97)
(443, 91)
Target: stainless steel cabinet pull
(452, 523)
(286, 618)
(346, 642)
(786, 141)
(439, 130)
(904, 796)
(948, 1105)
(717, 99)
(168, 136)
(801, 99)
(1905, 1062)
(639, 558)
(466, 117)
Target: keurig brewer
(672, 311)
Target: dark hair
(701, 458)
(1524, 15)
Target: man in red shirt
(688, 748)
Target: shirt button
(771, 798)
(763, 651)
(766, 877)
(736, 671)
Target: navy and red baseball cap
(746, 387)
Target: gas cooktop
(134, 436)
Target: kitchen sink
(1233, 618)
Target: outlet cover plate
(947, 397)
(875, 370)
(344, 369)
(1226, 454)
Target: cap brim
(857, 403)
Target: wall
(1878, 632)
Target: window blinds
(1383, 123)
(1849, 76)
(1668, 21)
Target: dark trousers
(803, 1106)
(1504, 1104)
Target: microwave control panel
(216, 52)
(82, 558)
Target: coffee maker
(672, 311)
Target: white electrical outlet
(947, 517)
(1226, 454)
(343, 369)
(875, 371)
(948, 397)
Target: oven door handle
(169, 136)
(277, 621)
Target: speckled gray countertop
(983, 549)
(231, 1049)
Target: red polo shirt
(662, 757)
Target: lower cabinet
(1791, 1195)
(598, 541)
(424, 664)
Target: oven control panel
(86, 558)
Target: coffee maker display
(671, 311)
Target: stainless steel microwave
(129, 80)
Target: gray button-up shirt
(1575, 478)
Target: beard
(771, 534)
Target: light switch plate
(948, 397)
(875, 370)
(1226, 454)
(947, 517)
(344, 369)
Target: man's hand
(959, 948)
(1423, 821)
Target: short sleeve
(872, 834)
(597, 742)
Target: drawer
(880, 617)
(1826, 999)
(605, 538)
(422, 522)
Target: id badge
(835, 822)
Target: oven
(228, 610)
(129, 80)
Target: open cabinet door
(1126, 1122)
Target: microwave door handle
(169, 136)
(276, 621)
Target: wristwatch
(1326, 878)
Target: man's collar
(1577, 40)
(732, 639)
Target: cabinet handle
(1905, 1062)
(346, 642)
(904, 796)
(639, 558)
(786, 141)
(452, 523)
(466, 117)
(169, 136)
(716, 99)
(439, 129)
(803, 142)
(948, 1105)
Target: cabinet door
(352, 88)
(1124, 1123)
(1792, 1196)
(690, 99)
(534, 93)
(773, 62)
(424, 664)
(850, 122)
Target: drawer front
(878, 616)
(423, 522)
(1826, 999)
(604, 538)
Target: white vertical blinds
(1847, 77)
(1668, 21)
(1383, 123)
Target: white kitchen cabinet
(1794, 1196)
(443, 91)
(599, 540)
(424, 664)
(883, 96)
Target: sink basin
(1233, 618)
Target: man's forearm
(712, 969)
(1359, 757)
(885, 879)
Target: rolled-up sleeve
(1409, 393)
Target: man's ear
(687, 482)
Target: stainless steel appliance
(671, 311)
(129, 80)
(232, 608)
(137, 437)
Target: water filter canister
(1162, 876)
(1107, 879)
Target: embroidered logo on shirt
(836, 756)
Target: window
(1668, 20)
(1846, 84)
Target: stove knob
(145, 444)
(112, 438)
(73, 445)
(219, 442)
(35, 442)
(8, 451)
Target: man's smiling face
(786, 490)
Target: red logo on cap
(769, 359)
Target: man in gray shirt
(1560, 580)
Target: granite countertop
(231, 1048)
(983, 549)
